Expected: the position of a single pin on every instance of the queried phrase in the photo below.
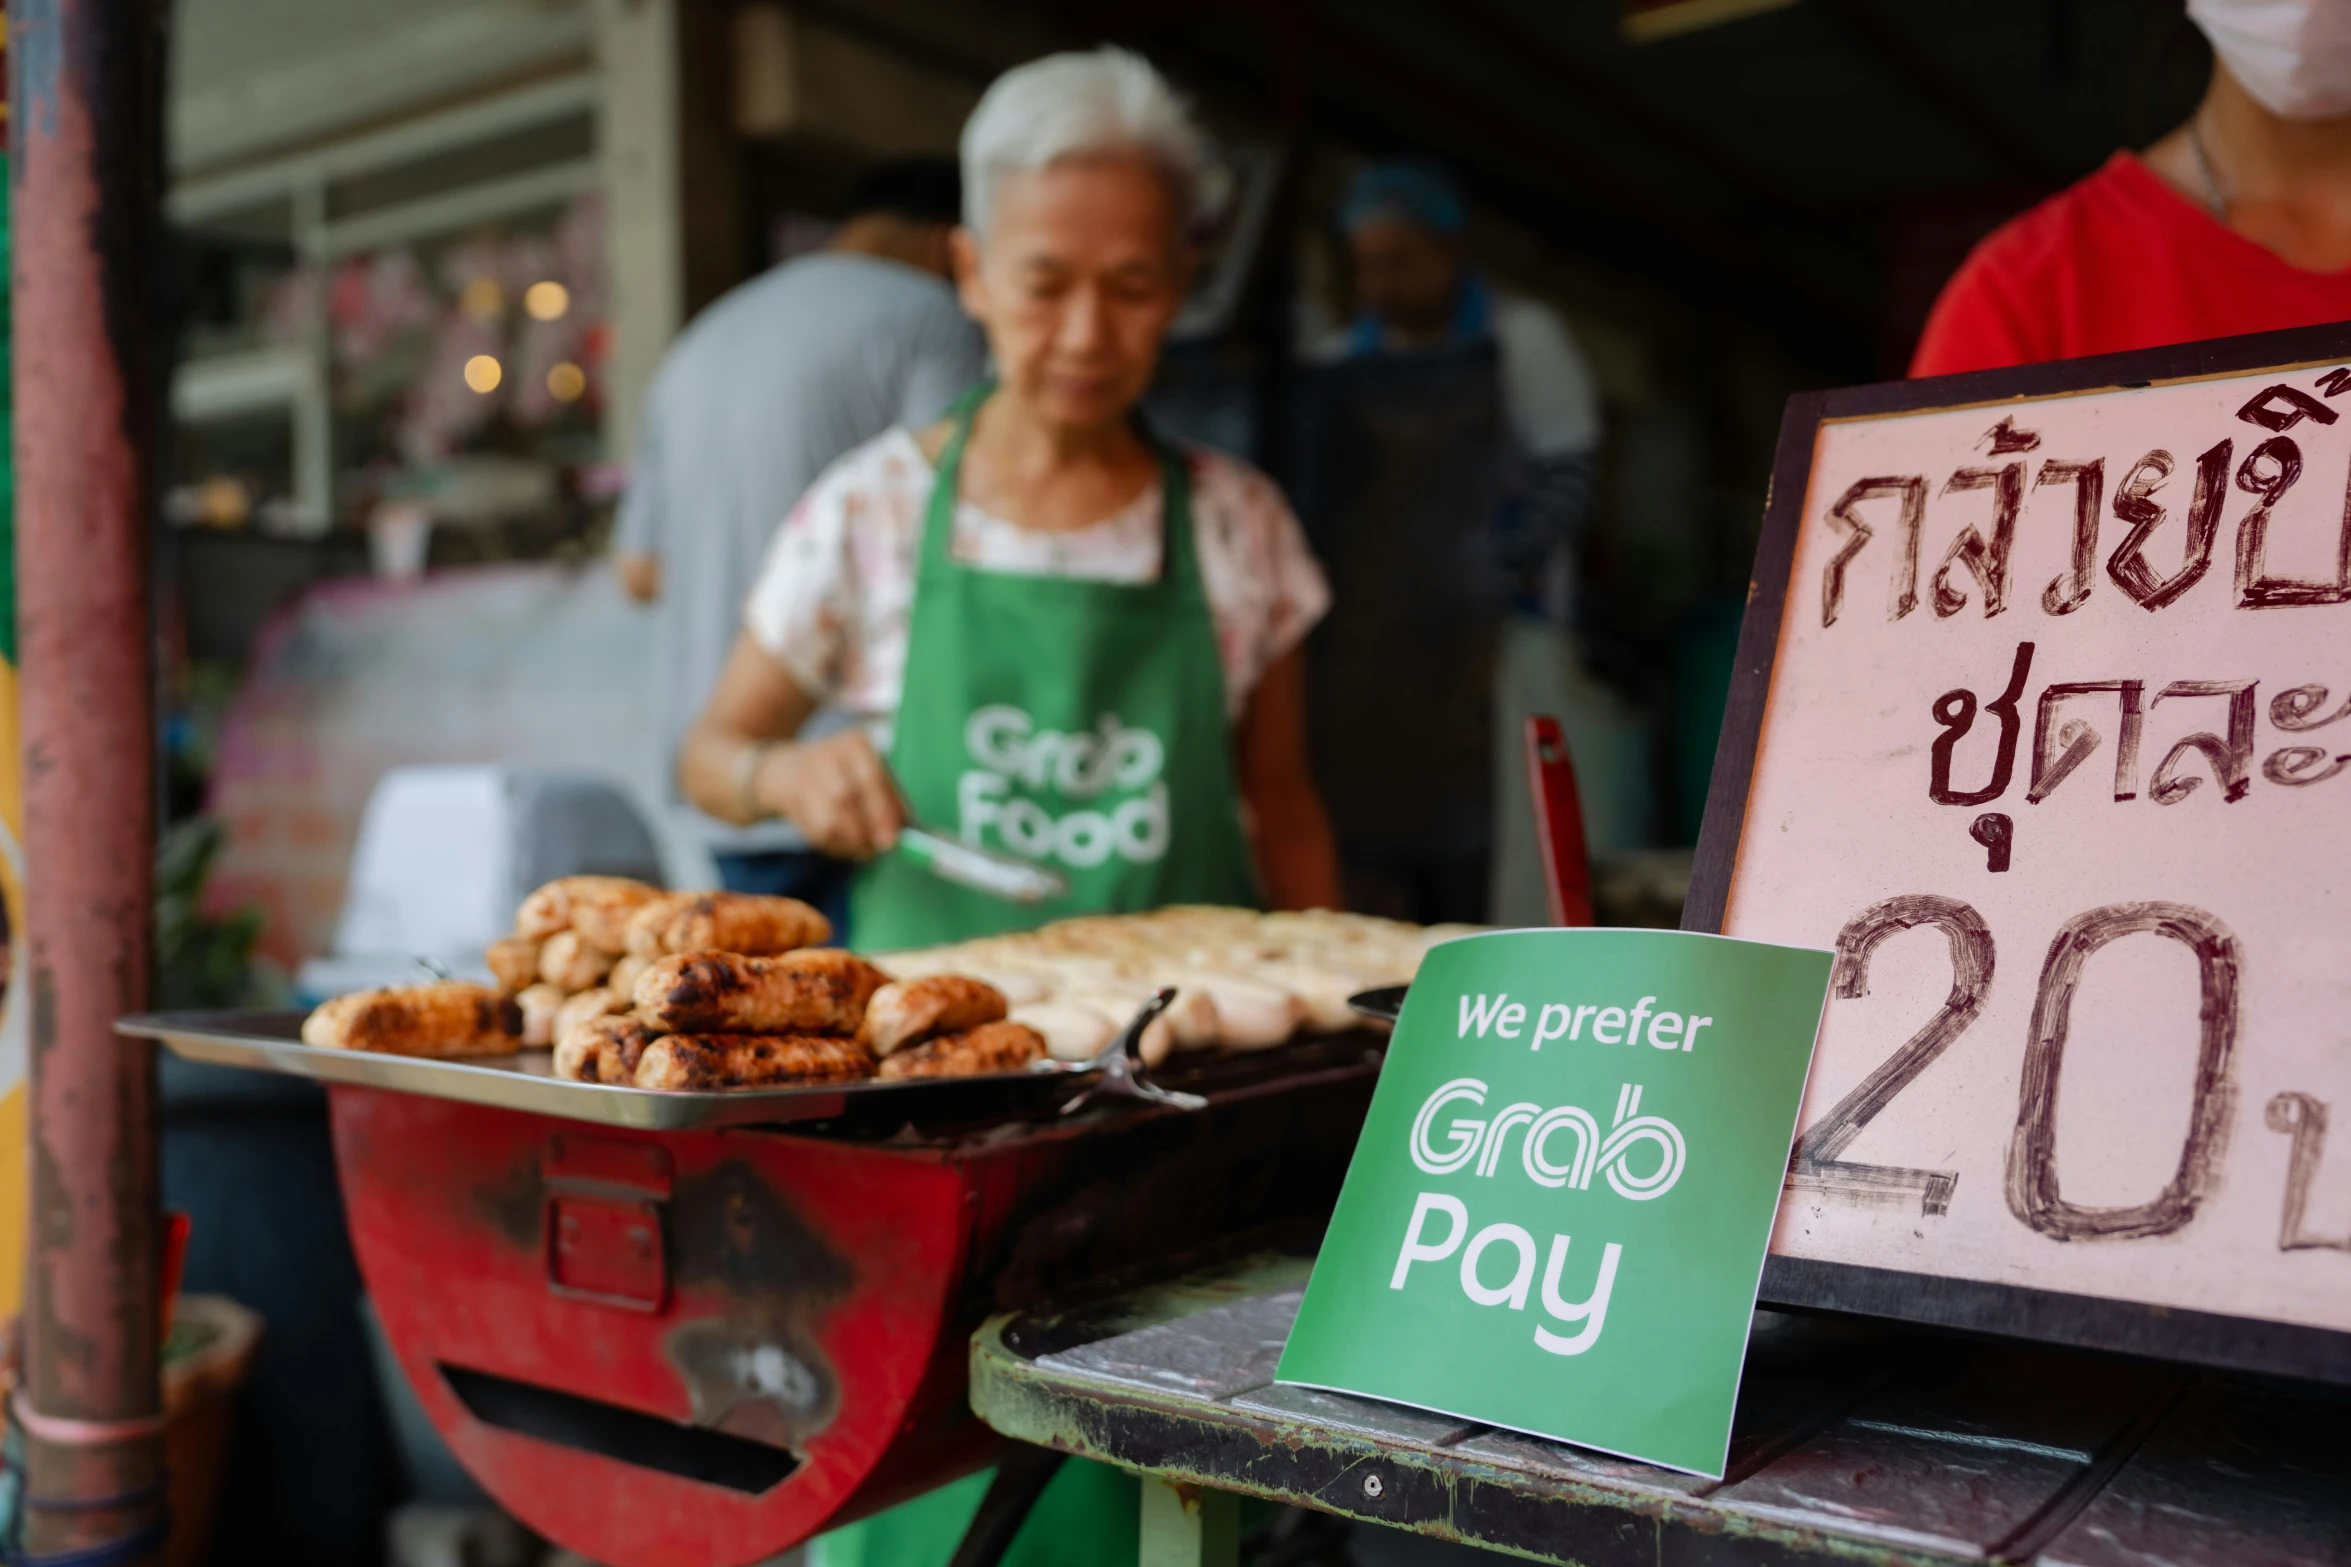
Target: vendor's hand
(836, 790)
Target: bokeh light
(546, 300)
(566, 381)
(482, 373)
(482, 299)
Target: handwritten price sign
(2044, 726)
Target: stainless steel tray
(272, 1042)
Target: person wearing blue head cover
(1421, 303)
(1405, 221)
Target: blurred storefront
(429, 261)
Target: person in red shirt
(2238, 221)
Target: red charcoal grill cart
(692, 1347)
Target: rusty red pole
(85, 156)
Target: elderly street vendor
(1068, 637)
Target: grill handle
(1559, 823)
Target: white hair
(1079, 105)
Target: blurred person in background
(2237, 221)
(1039, 570)
(765, 388)
(1452, 567)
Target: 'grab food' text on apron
(1009, 750)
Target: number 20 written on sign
(2031, 1184)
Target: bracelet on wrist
(747, 763)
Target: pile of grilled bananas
(634, 986)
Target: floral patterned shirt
(832, 598)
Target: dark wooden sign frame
(2205, 1338)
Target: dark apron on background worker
(1080, 724)
(1397, 464)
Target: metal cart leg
(1189, 1526)
(1020, 1479)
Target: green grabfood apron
(1082, 725)
(1078, 724)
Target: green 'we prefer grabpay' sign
(1556, 1218)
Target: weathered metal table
(1854, 1443)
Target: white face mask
(2294, 56)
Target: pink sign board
(2044, 724)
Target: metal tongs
(1120, 1064)
(983, 870)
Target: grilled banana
(625, 969)
(725, 922)
(601, 913)
(1071, 1031)
(570, 964)
(587, 1006)
(448, 1019)
(991, 1047)
(707, 1061)
(820, 991)
(539, 1005)
(514, 962)
(603, 1049)
(603, 903)
(907, 1011)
